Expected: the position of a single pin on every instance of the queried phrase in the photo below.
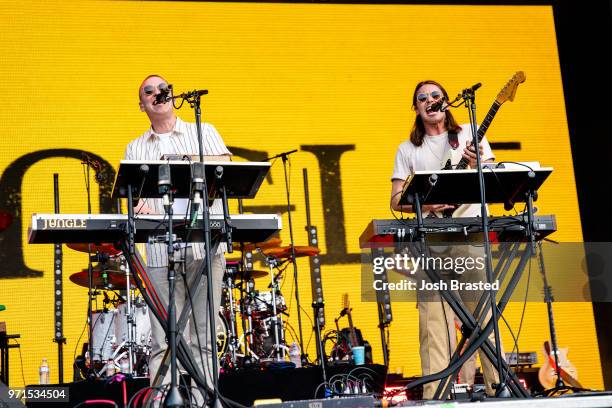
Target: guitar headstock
(345, 302)
(509, 90)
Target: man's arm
(396, 194)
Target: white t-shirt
(433, 154)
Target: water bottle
(43, 372)
(295, 355)
(124, 364)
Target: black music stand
(504, 185)
(225, 180)
(241, 179)
(508, 186)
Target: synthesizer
(507, 228)
(97, 228)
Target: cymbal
(114, 280)
(104, 248)
(233, 267)
(285, 252)
(271, 243)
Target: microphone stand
(193, 98)
(469, 97)
(293, 260)
(173, 398)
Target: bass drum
(103, 334)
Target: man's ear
(141, 106)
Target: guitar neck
(352, 334)
(463, 163)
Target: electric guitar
(347, 309)
(548, 373)
(508, 92)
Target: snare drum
(141, 323)
(103, 334)
(261, 304)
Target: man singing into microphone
(168, 134)
(436, 137)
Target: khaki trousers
(436, 327)
(200, 311)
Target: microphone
(164, 184)
(164, 180)
(437, 105)
(197, 189)
(144, 170)
(163, 95)
(472, 89)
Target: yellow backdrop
(280, 76)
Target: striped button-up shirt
(183, 141)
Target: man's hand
(469, 153)
(439, 207)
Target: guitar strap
(453, 140)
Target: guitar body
(547, 374)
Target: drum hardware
(263, 329)
(279, 337)
(232, 341)
(121, 335)
(247, 322)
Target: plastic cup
(359, 355)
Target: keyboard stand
(149, 292)
(462, 187)
(227, 180)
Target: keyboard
(95, 228)
(508, 228)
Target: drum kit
(251, 324)
(262, 314)
(121, 329)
